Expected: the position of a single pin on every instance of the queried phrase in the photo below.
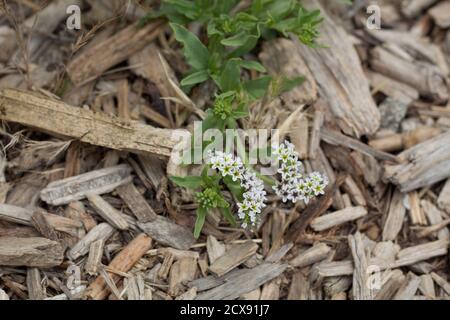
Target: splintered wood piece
(100, 231)
(426, 286)
(277, 255)
(299, 289)
(79, 187)
(280, 58)
(166, 232)
(412, 8)
(271, 290)
(408, 290)
(426, 78)
(233, 257)
(299, 135)
(415, 211)
(421, 252)
(340, 78)
(336, 218)
(122, 262)
(335, 268)
(97, 128)
(361, 291)
(315, 130)
(444, 197)
(314, 254)
(421, 165)
(15, 214)
(30, 252)
(244, 281)
(338, 139)
(40, 223)
(34, 284)
(441, 282)
(3, 295)
(434, 216)
(397, 90)
(136, 202)
(214, 248)
(107, 212)
(391, 285)
(440, 14)
(181, 272)
(396, 214)
(92, 62)
(95, 257)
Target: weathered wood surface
(87, 126)
(91, 183)
(168, 233)
(340, 79)
(30, 252)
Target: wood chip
(34, 284)
(361, 290)
(79, 187)
(122, 262)
(168, 233)
(233, 257)
(136, 202)
(94, 260)
(30, 252)
(314, 254)
(87, 126)
(339, 217)
(107, 212)
(101, 231)
(394, 220)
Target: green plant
(231, 29)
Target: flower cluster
(294, 186)
(254, 195)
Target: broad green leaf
(258, 87)
(194, 78)
(201, 215)
(191, 182)
(252, 65)
(237, 40)
(196, 53)
(230, 77)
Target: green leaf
(226, 212)
(258, 87)
(196, 53)
(285, 84)
(230, 77)
(237, 40)
(191, 182)
(252, 65)
(201, 215)
(194, 78)
(234, 187)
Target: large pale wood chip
(233, 257)
(314, 254)
(361, 289)
(181, 272)
(421, 165)
(30, 252)
(166, 232)
(97, 128)
(396, 214)
(408, 290)
(79, 187)
(244, 281)
(15, 214)
(339, 217)
(34, 284)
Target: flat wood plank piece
(336, 218)
(97, 128)
(233, 257)
(136, 202)
(108, 212)
(100, 231)
(166, 232)
(79, 187)
(30, 252)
